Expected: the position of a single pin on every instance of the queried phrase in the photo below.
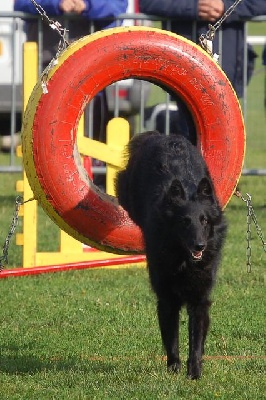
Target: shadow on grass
(17, 363)
(25, 364)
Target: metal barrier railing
(128, 98)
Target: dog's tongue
(197, 255)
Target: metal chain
(225, 15)
(18, 203)
(258, 229)
(55, 25)
(248, 203)
(251, 216)
(62, 45)
(207, 38)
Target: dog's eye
(206, 191)
(204, 221)
(204, 188)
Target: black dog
(168, 192)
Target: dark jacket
(186, 23)
(78, 27)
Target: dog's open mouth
(197, 255)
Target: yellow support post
(116, 140)
(29, 210)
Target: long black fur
(168, 192)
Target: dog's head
(191, 213)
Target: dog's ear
(205, 190)
(176, 191)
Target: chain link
(228, 12)
(55, 25)
(62, 45)
(207, 38)
(14, 223)
(248, 203)
(18, 203)
(251, 216)
(258, 229)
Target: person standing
(192, 17)
(94, 15)
(81, 18)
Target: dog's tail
(122, 181)
(137, 142)
(121, 188)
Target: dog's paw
(194, 369)
(174, 366)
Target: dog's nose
(199, 246)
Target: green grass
(93, 334)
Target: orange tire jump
(86, 67)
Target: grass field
(93, 334)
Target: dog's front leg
(168, 315)
(198, 327)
